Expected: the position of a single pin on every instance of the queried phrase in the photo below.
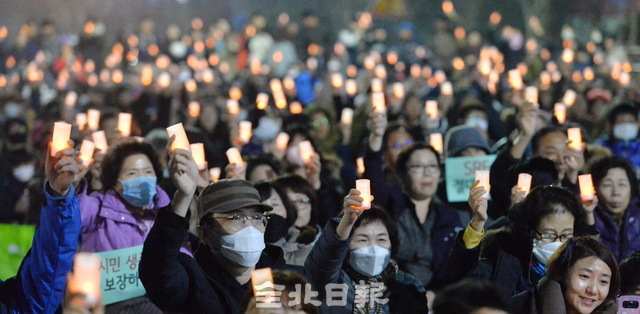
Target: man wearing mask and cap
(623, 137)
(232, 223)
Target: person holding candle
(515, 256)
(616, 215)
(40, 283)
(360, 248)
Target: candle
(81, 120)
(234, 156)
(281, 101)
(181, 141)
(567, 55)
(61, 135)
(262, 100)
(625, 78)
(351, 87)
(560, 112)
(587, 191)
(85, 278)
(235, 93)
(376, 85)
(306, 151)
(515, 79)
(233, 107)
(93, 119)
(276, 85)
(569, 97)
(124, 123)
(71, 98)
(194, 109)
(282, 141)
(524, 182)
(295, 107)
(360, 165)
(191, 85)
(346, 117)
(214, 174)
(197, 151)
(446, 88)
(398, 90)
(86, 152)
(364, 187)
(575, 138)
(435, 140)
(431, 108)
(263, 286)
(380, 71)
(100, 141)
(337, 80)
(377, 100)
(531, 94)
(483, 177)
(245, 131)
(484, 66)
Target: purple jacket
(623, 240)
(108, 225)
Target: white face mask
(369, 261)
(24, 173)
(543, 251)
(625, 131)
(243, 247)
(476, 122)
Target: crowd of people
(374, 103)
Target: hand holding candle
(306, 151)
(587, 190)
(234, 156)
(93, 119)
(560, 112)
(431, 108)
(197, 151)
(100, 141)
(435, 140)
(347, 116)
(86, 152)
(377, 100)
(85, 279)
(214, 174)
(524, 182)
(575, 138)
(124, 123)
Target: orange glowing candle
(194, 109)
(81, 120)
(346, 117)
(587, 190)
(435, 140)
(233, 108)
(376, 85)
(306, 151)
(560, 112)
(181, 141)
(235, 93)
(398, 90)
(295, 107)
(214, 174)
(282, 140)
(360, 165)
(197, 151)
(363, 185)
(100, 141)
(351, 87)
(336, 80)
(524, 182)
(93, 119)
(85, 278)
(86, 152)
(446, 88)
(380, 71)
(515, 79)
(377, 100)
(569, 97)
(531, 94)
(575, 138)
(234, 156)
(71, 98)
(262, 100)
(483, 177)
(245, 131)
(431, 108)
(124, 123)
(61, 135)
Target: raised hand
(517, 195)
(233, 171)
(478, 205)
(378, 124)
(183, 170)
(312, 170)
(62, 170)
(527, 119)
(350, 212)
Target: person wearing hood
(232, 223)
(623, 137)
(356, 251)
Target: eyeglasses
(552, 237)
(400, 145)
(302, 201)
(237, 220)
(416, 169)
(320, 122)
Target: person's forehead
(553, 139)
(399, 136)
(245, 211)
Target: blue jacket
(623, 240)
(40, 283)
